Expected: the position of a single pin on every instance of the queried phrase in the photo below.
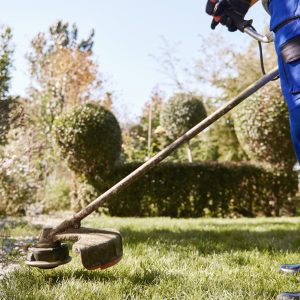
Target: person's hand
(227, 12)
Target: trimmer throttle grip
(237, 19)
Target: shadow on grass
(214, 241)
(140, 277)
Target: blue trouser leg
(287, 44)
(282, 10)
(295, 129)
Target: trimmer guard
(98, 248)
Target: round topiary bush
(262, 127)
(181, 113)
(89, 138)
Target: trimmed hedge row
(199, 189)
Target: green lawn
(176, 259)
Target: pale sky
(128, 33)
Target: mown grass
(176, 259)
(20, 228)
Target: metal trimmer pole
(151, 163)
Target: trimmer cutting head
(99, 249)
(48, 256)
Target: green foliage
(242, 68)
(229, 75)
(6, 52)
(85, 194)
(57, 195)
(63, 72)
(139, 142)
(11, 116)
(17, 187)
(89, 138)
(60, 35)
(262, 127)
(225, 139)
(17, 178)
(65, 36)
(63, 75)
(261, 122)
(195, 190)
(21, 171)
(7, 104)
(218, 143)
(181, 113)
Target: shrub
(84, 193)
(195, 190)
(17, 186)
(21, 171)
(262, 127)
(89, 137)
(57, 195)
(181, 113)
(11, 116)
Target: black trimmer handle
(245, 26)
(238, 19)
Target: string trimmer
(102, 248)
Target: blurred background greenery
(64, 143)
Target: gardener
(285, 23)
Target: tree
(63, 75)
(219, 142)
(63, 71)
(10, 110)
(261, 123)
(6, 52)
(21, 170)
(181, 113)
(228, 76)
(146, 138)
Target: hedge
(199, 189)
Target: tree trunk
(189, 153)
(149, 131)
